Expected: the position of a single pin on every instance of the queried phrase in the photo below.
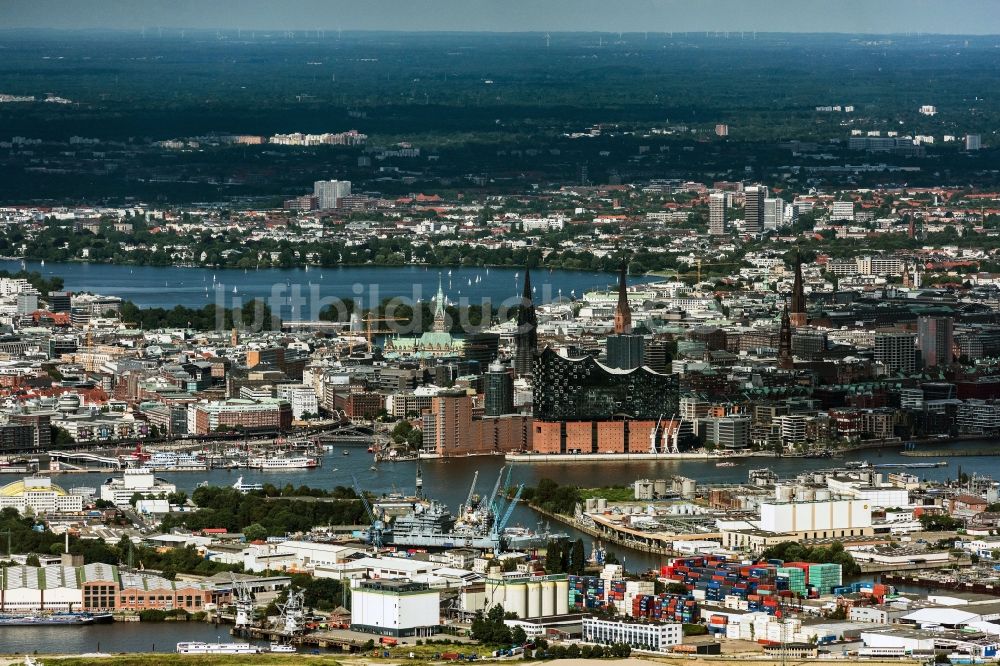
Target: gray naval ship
(482, 522)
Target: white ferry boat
(282, 647)
(197, 647)
(175, 462)
(247, 487)
(285, 462)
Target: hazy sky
(873, 16)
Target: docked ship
(430, 524)
(168, 461)
(282, 463)
(197, 647)
(51, 619)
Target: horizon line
(457, 31)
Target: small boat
(234, 289)
(373, 468)
(346, 452)
(726, 463)
(281, 647)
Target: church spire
(798, 310)
(526, 336)
(785, 341)
(623, 315)
(439, 316)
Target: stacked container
(666, 608)
(752, 587)
(825, 577)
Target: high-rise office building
(842, 210)
(774, 213)
(717, 214)
(626, 351)
(897, 351)
(935, 339)
(482, 348)
(526, 336)
(60, 301)
(327, 192)
(499, 391)
(754, 211)
(656, 355)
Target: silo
(819, 477)
(517, 599)
(534, 600)
(822, 494)
(660, 487)
(548, 598)
(562, 597)
(602, 504)
(805, 493)
(590, 504)
(783, 493)
(688, 488)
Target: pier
(950, 453)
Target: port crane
(244, 603)
(500, 523)
(472, 491)
(375, 532)
(292, 613)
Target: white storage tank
(562, 597)
(660, 487)
(534, 600)
(590, 504)
(517, 599)
(805, 494)
(688, 488)
(548, 598)
(602, 504)
(783, 493)
(822, 494)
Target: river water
(112, 637)
(155, 286)
(449, 479)
(446, 480)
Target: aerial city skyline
(451, 331)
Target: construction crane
(714, 263)
(375, 532)
(369, 333)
